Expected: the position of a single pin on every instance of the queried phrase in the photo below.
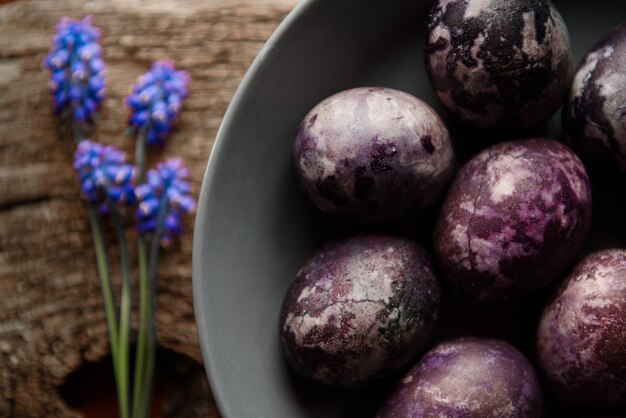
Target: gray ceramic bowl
(253, 227)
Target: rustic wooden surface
(51, 317)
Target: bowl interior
(254, 229)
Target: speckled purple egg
(468, 378)
(514, 218)
(581, 342)
(499, 64)
(595, 118)
(372, 155)
(359, 309)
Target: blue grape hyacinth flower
(156, 99)
(77, 77)
(166, 190)
(103, 174)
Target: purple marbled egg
(359, 309)
(595, 118)
(499, 64)
(514, 218)
(372, 155)
(468, 378)
(581, 342)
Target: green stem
(124, 323)
(148, 348)
(105, 285)
(155, 245)
(78, 131)
(118, 332)
(141, 355)
(140, 155)
(144, 356)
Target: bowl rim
(205, 207)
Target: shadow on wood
(180, 388)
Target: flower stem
(144, 356)
(140, 155)
(118, 331)
(141, 356)
(78, 131)
(124, 323)
(146, 346)
(106, 287)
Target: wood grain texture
(51, 316)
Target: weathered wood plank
(51, 318)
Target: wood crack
(16, 204)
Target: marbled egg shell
(499, 64)
(468, 378)
(359, 309)
(595, 118)
(372, 155)
(513, 219)
(581, 342)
